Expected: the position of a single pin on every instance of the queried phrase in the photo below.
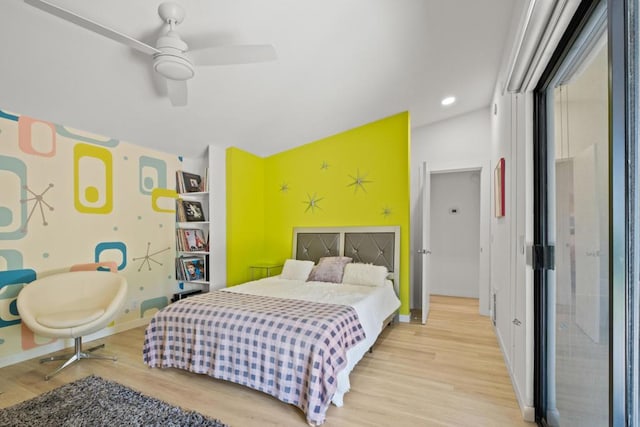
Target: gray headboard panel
(313, 246)
(375, 245)
(374, 248)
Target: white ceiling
(341, 64)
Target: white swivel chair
(72, 305)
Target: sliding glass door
(586, 222)
(578, 228)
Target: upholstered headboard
(312, 246)
(374, 245)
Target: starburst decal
(39, 201)
(312, 202)
(325, 165)
(284, 187)
(386, 211)
(148, 258)
(359, 181)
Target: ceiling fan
(172, 58)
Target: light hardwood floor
(447, 373)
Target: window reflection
(580, 339)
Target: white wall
(512, 138)
(511, 279)
(458, 144)
(455, 233)
(534, 37)
(218, 205)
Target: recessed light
(448, 100)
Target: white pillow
(364, 274)
(296, 270)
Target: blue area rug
(94, 401)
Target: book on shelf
(189, 210)
(192, 268)
(189, 182)
(191, 239)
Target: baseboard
(528, 412)
(65, 343)
(34, 352)
(502, 349)
(120, 327)
(404, 318)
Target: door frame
(484, 276)
(425, 251)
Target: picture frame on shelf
(193, 268)
(193, 211)
(189, 182)
(195, 239)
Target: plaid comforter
(290, 349)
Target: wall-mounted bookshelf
(192, 230)
(201, 205)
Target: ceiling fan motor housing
(172, 63)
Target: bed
(293, 338)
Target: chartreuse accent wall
(356, 178)
(71, 200)
(245, 213)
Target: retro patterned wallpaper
(70, 200)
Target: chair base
(75, 357)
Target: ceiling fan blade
(177, 90)
(93, 26)
(234, 54)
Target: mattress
(374, 304)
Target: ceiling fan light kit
(170, 58)
(172, 62)
(174, 67)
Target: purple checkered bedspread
(290, 349)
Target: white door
(425, 251)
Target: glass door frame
(623, 261)
(624, 265)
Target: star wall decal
(39, 201)
(325, 165)
(312, 202)
(386, 211)
(358, 182)
(147, 258)
(284, 187)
